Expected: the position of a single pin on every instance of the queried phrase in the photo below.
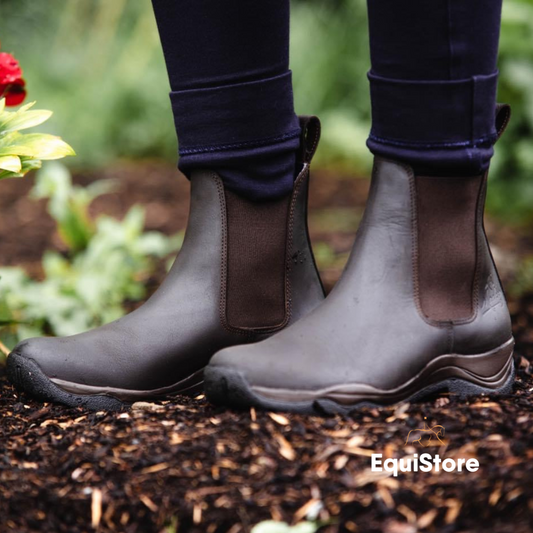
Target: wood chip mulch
(188, 466)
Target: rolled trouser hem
(240, 116)
(247, 132)
(426, 119)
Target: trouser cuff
(433, 114)
(235, 117)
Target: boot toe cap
(234, 358)
(264, 364)
(45, 352)
(67, 359)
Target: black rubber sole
(28, 377)
(226, 386)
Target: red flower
(11, 82)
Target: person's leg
(419, 307)
(433, 82)
(246, 268)
(228, 64)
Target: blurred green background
(98, 65)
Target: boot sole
(472, 375)
(27, 376)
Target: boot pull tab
(310, 126)
(503, 116)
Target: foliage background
(99, 66)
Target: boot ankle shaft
(449, 233)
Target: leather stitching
(246, 144)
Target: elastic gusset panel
(447, 230)
(256, 262)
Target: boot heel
(499, 383)
(489, 373)
(464, 389)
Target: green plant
(68, 205)
(511, 191)
(22, 152)
(107, 264)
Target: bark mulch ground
(186, 466)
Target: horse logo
(427, 436)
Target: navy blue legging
(432, 83)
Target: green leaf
(16, 150)
(29, 163)
(25, 107)
(22, 119)
(46, 147)
(11, 163)
(13, 144)
(2, 104)
(34, 145)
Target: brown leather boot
(246, 271)
(419, 309)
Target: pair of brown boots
(419, 308)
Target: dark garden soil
(187, 466)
